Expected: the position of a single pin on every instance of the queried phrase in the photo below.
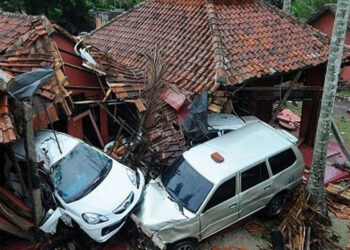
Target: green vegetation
(344, 93)
(344, 128)
(295, 109)
(305, 9)
(71, 14)
(342, 122)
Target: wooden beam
(10, 215)
(11, 229)
(278, 88)
(89, 114)
(18, 170)
(285, 97)
(33, 170)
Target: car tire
(184, 245)
(275, 207)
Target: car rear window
(282, 161)
(254, 176)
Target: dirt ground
(240, 238)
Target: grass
(344, 93)
(342, 122)
(344, 128)
(295, 109)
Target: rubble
(340, 192)
(301, 226)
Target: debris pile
(301, 226)
(338, 199)
(288, 119)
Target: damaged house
(246, 54)
(31, 71)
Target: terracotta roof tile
(7, 130)
(201, 36)
(26, 45)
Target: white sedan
(91, 189)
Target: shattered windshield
(79, 172)
(185, 185)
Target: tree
(287, 5)
(316, 183)
(70, 14)
(304, 9)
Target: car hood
(157, 210)
(107, 196)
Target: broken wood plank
(140, 106)
(214, 108)
(339, 192)
(15, 203)
(15, 219)
(7, 227)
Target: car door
(255, 189)
(221, 210)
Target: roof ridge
(118, 16)
(18, 15)
(219, 57)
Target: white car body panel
(228, 122)
(104, 199)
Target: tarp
(196, 122)
(26, 85)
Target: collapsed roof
(211, 43)
(27, 45)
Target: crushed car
(219, 182)
(89, 189)
(223, 123)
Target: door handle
(267, 188)
(233, 205)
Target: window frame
(212, 193)
(250, 167)
(284, 150)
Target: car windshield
(80, 172)
(185, 185)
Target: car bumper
(106, 232)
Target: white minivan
(219, 182)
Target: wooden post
(33, 173)
(19, 171)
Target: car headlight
(133, 177)
(93, 218)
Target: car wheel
(184, 245)
(275, 207)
